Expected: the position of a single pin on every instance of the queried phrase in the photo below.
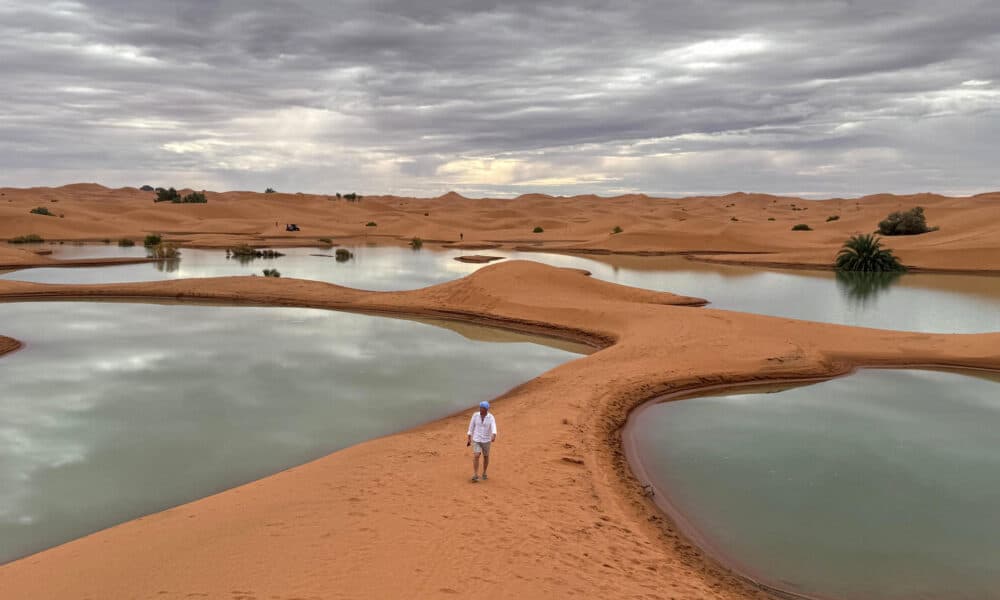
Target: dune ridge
(565, 516)
(739, 228)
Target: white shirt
(482, 429)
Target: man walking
(482, 433)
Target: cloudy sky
(491, 97)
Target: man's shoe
(475, 478)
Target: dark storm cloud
(419, 96)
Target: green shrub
(865, 253)
(617, 229)
(269, 191)
(416, 243)
(802, 227)
(833, 218)
(326, 240)
(248, 252)
(910, 222)
(352, 197)
(271, 273)
(151, 240)
(41, 210)
(343, 254)
(31, 238)
(126, 243)
(537, 230)
(106, 241)
(146, 188)
(167, 195)
(371, 224)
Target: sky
(499, 98)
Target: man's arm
(493, 427)
(468, 436)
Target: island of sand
(395, 516)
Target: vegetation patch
(41, 210)
(247, 251)
(31, 238)
(833, 218)
(617, 229)
(801, 227)
(909, 222)
(343, 254)
(192, 198)
(167, 195)
(164, 251)
(147, 188)
(126, 243)
(271, 273)
(326, 240)
(371, 224)
(269, 191)
(416, 243)
(770, 219)
(151, 240)
(865, 253)
(537, 230)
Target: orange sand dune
(395, 517)
(8, 345)
(756, 228)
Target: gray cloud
(487, 97)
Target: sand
(396, 517)
(736, 228)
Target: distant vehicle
(292, 227)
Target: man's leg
(475, 465)
(486, 459)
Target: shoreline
(626, 373)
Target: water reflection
(862, 288)
(881, 485)
(115, 410)
(916, 302)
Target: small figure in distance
(461, 236)
(482, 433)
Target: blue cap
(484, 404)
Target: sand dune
(395, 517)
(754, 228)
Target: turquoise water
(913, 302)
(114, 410)
(881, 485)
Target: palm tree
(865, 253)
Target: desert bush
(416, 243)
(371, 224)
(910, 222)
(31, 238)
(326, 240)
(343, 254)
(770, 219)
(617, 229)
(734, 219)
(167, 195)
(164, 251)
(41, 210)
(865, 253)
(247, 251)
(352, 197)
(146, 188)
(833, 218)
(801, 227)
(192, 198)
(537, 230)
(106, 241)
(271, 273)
(151, 240)
(126, 243)
(269, 191)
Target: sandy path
(396, 516)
